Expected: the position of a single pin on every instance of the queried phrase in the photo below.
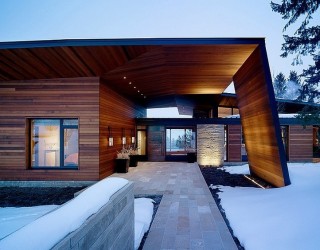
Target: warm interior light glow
(110, 141)
(133, 139)
(124, 141)
(210, 144)
(254, 181)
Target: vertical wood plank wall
(234, 143)
(59, 98)
(259, 120)
(300, 143)
(117, 113)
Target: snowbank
(48, 230)
(237, 169)
(279, 218)
(143, 211)
(13, 218)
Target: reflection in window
(316, 142)
(180, 141)
(285, 139)
(54, 142)
(244, 156)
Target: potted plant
(122, 161)
(133, 154)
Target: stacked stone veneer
(210, 144)
(112, 227)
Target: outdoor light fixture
(133, 138)
(123, 137)
(110, 138)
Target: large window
(54, 143)
(316, 142)
(285, 139)
(180, 140)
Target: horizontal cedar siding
(57, 98)
(118, 113)
(234, 143)
(300, 143)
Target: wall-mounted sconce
(124, 141)
(133, 138)
(110, 138)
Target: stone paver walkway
(188, 217)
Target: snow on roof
(280, 116)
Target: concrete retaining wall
(112, 227)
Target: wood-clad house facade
(87, 89)
(87, 99)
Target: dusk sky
(60, 19)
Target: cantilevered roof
(152, 72)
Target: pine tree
(293, 77)
(293, 86)
(279, 85)
(305, 41)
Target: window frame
(186, 150)
(62, 127)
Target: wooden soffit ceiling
(145, 72)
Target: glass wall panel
(45, 143)
(70, 147)
(285, 139)
(180, 140)
(316, 142)
(54, 143)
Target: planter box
(191, 157)
(133, 160)
(122, 165)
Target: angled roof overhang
(165, 71)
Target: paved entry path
(188, 217)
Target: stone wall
(112, 227)
(210, 144)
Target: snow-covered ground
(25, 218)
(143, 211)
(13, 218)
(279, 218)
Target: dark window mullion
(61, 143)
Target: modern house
(68, 106)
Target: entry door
(156, 143)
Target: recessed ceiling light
(134, 87)
(138, 90)
(124, 77)
(145, 97)
(130, 83)
(141, 94)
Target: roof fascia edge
(129, 41)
